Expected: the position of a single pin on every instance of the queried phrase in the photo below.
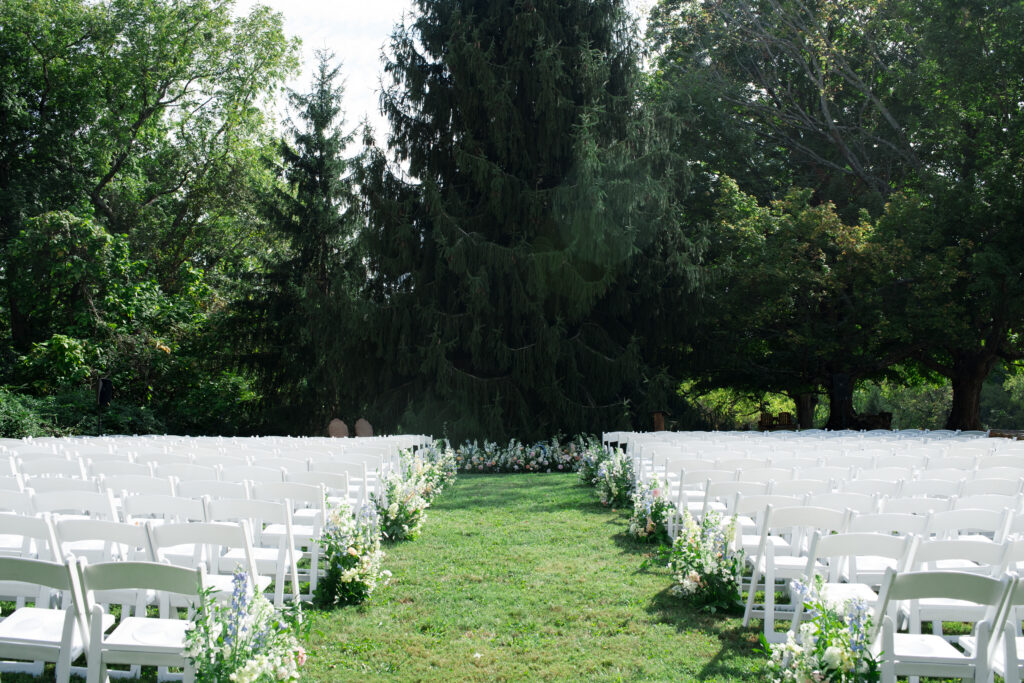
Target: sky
(355, 31)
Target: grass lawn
(526, 577)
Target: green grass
(526, 577)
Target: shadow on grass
(738, 644)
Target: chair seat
(37, 626)
(969, 643)
(787, 566)
(924, 647)
(157, 636)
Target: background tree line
(813, 204)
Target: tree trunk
(840, 403)
(969, 374)
(805, 404)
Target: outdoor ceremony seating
(916, 654)
(137, 640)
(39, 633)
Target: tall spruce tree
(305, 298)
(505, 228)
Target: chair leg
(754, 579)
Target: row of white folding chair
(308, 501)
(257, 535)
(783, 552)
(82, 624)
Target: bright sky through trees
(355, 31)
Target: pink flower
(300, 656)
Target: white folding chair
(210, 542)
(309, 512)
(915, 654)
(929, 488)
(781, 557)
(849, 562)
(1007, 647)
(39, 633)
(275, 556)
(137, 640)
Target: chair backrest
(798, 522)
(185, 470)
(896, 523)
(251, 473)
(935, 488)
(1003, 486)
(858, 502)
(973, 521)
(38, 539)
(918, 585)
(213, 488)
(917, 505)
(764, 473)
(306, 495)
(51, 467)
(156, 576)
(843, 550)
(111, 468)
(207, 540)
(61, 484)
(872, 487)
(122, 541)
(19, 502)
(970, 555)
(989, 501)
(800, 487)
(83, 503)
(133, 484)
(160, 506)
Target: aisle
(526, 577)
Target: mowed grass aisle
(526, 577)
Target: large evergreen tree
(506, 226)
(304, 302)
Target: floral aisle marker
(614, 480)
(409, 490)
(832, 646)
(246, 640)
(705, 568)
(352, 555)
(651, 513)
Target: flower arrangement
(705, 568)
(614, 480)
(246, 640)
(591, 457)
(651, 513)
(352, 557)
(833, 645)
(439, 467)
(543, 456)
(401, 507)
